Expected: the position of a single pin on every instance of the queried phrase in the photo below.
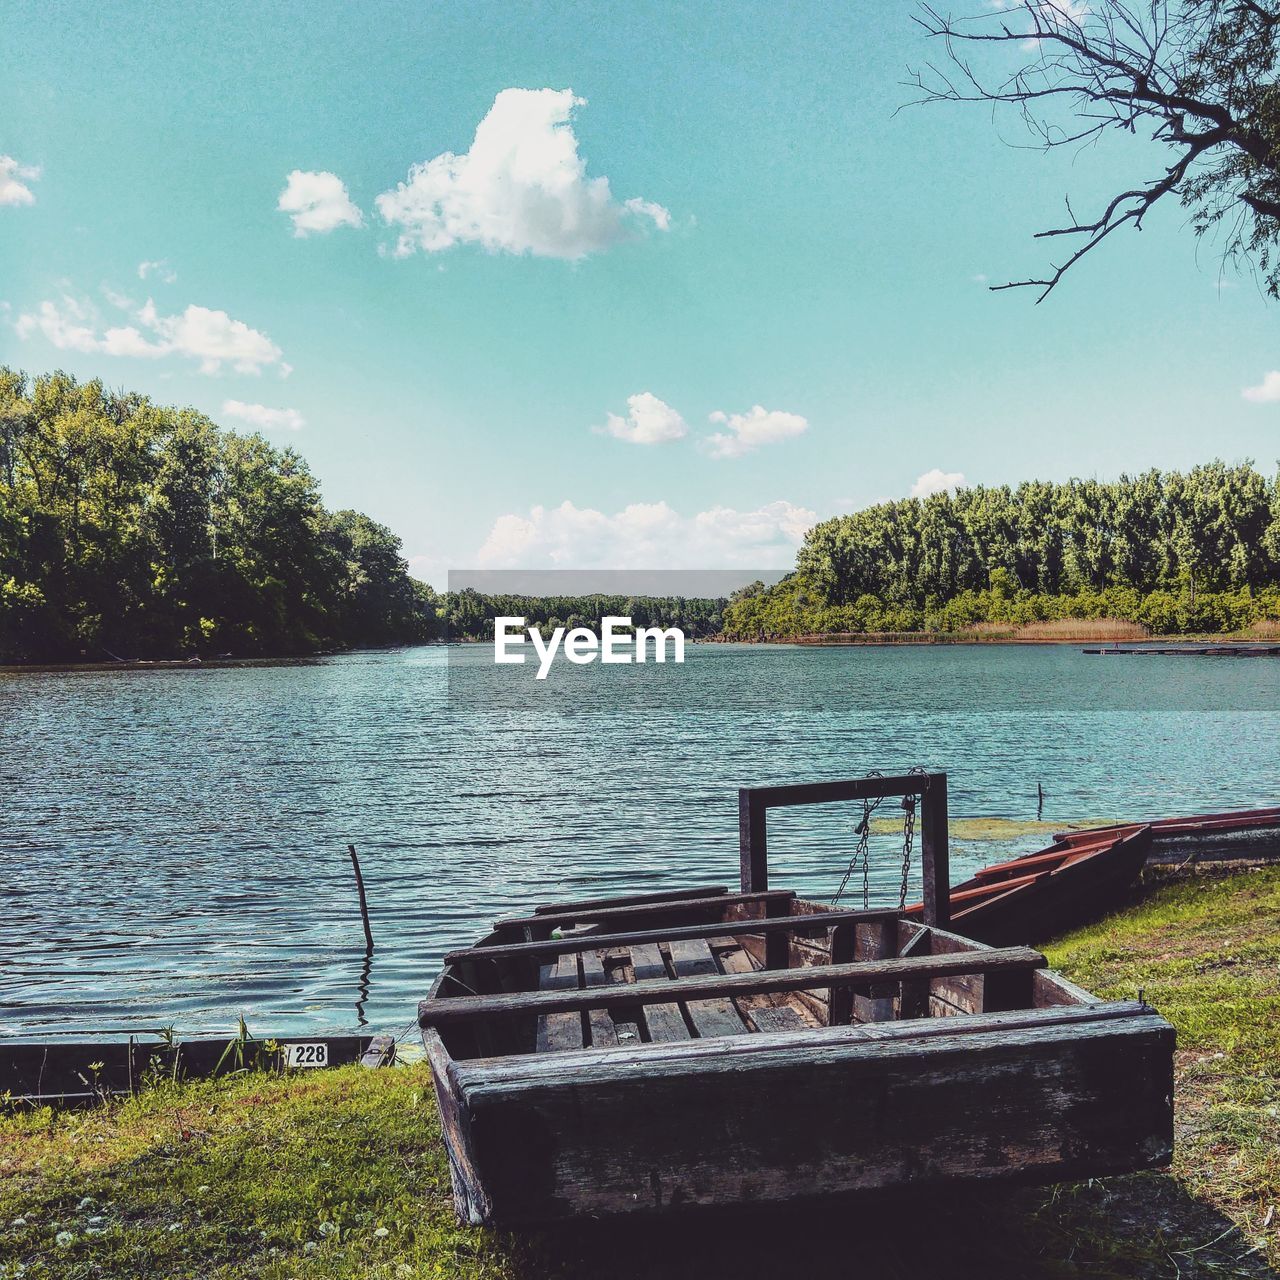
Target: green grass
(341, 1175)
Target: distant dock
(1189, 650)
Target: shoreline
(343, 1173)
(836, 640)
(853, 640)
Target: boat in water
(1240, 835)
(691, 1048)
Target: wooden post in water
(364, 906)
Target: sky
(572, 285)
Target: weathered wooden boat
(72, 1073)
(699, 1047)
(1036, 896)
(1249, 835)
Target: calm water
(175, 840)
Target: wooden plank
(687, 1127)
(559, 1031)
(692, 958)
(654, 1060)
(845, 789)
(805, 923)
(913, 997)
(776, 949)
(664, 1020)
(875, 942)
(458, 1008)
(380, 1053)
(602, 914)
(840, 999)
(604, 1033)
(631, 899)
(470, 1199)
(777, 1018)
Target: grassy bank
(341, 1175)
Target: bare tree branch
(1199, 74)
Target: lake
(176, 839)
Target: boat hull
(842, 1112)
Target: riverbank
(341, 1174)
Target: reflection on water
(176, 840)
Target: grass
(341, 1175)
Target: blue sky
(798, 247)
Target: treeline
(469, 614)
(128, 529)
(1179, 553)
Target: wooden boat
(1241, 835)
(66, 1073)
(698, 1047)
(1042, 894)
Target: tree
(132, 529)
(1199, 75)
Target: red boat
(1042, 894)
(1241, 835)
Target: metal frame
(755, 802)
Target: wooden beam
(716, 929)
(457, 1008)
(935, 854)
(755, 802)
(632, 900)
(906, 784)
(593, 915)
(753, 850)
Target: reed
(987, 630)
(1267, 629)
(1082, 629)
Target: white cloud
(646, 534)
(68, 326)
(521, 188)
(211, 337)
(13, 181)
(1267, 391)
(160, 268)
(258, 415)
(318, 202)
(748, 431)
(648, 421)
(936, 481)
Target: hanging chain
(908, 839)
(861, 852)
(909, 835)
